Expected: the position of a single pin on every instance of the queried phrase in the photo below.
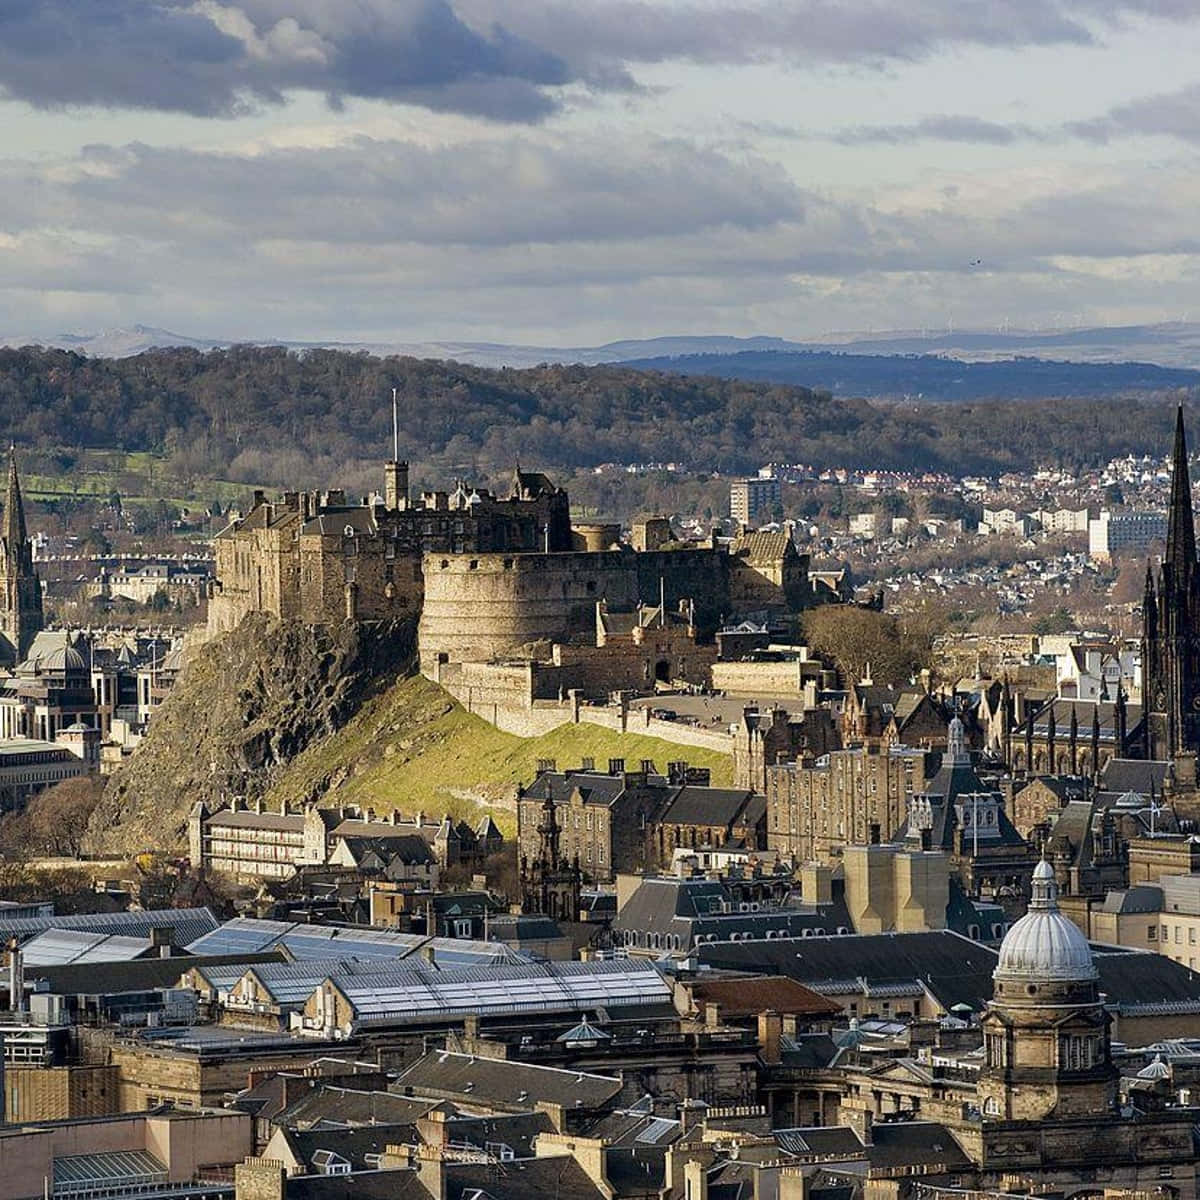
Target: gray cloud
(486, 193)
(1174, 114)
(948, 128)
(502, 59)
(212, 58)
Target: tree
(53, 822)
(856, 638)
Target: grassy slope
(414, 748)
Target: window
(994, 1046)
(1152, 933)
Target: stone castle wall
(480, 607)
(485, 606)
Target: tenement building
(815, 807)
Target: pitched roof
(442, 1073)
(748, 995)
(762, 548)
(693, 805)
(955, 969)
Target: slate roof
(330, 1106)
(138, 975)
(560, 1177)
(245, 818)
(1134, 775)
(818, 1141)
(596, 788)
(1142, 898)
(351, 1144)
(1146, 982)
(914, 1143)
(518, 1131)
(955, 969)
(706, 806)
(442, 1073)
(362, 1185)
(693, 908)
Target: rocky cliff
(245, 707)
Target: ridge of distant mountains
(963, 364)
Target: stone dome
(1044, 945)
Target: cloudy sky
(566, 172)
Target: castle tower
(1047, 1049)
(1171, 627)
(20, 589)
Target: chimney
(616, 766)
(647, 766)
(162, 938)
(860, 1120)
(16, 978)
(712, 1014)
(695, 1180)
(770, 1031)
(588, 763)
(259, 1179)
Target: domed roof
(64, 658)
(1043, 944)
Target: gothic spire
(1181, 528)
(14, 510)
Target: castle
(503, 580)
(318, 558)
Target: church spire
(1181, 528)
(14, 510)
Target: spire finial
(1181, 527)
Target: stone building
(961, 814)
(778, 736)
(251, 843)
(320, 558)
(619, 820)
(817, 806)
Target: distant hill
(927, 376)
(322, 417)
(1171, 344)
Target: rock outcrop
(248, 703)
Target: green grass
(413, 747)
(140, 478)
